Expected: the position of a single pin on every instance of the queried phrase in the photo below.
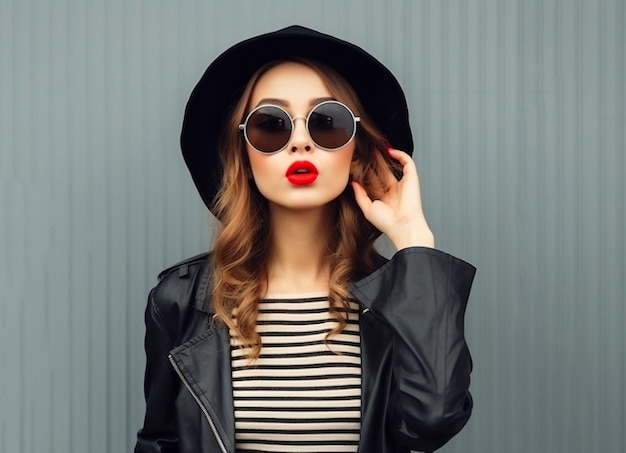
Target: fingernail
(389, 149)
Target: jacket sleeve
(159, 433)
(422, 294)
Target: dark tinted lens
(331, 125)
(268, 129)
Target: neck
(299, 246)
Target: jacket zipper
(202, 407)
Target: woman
(294, 334)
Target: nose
(300, 137)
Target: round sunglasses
(330, 124)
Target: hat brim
(225, 79)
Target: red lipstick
(301, 173)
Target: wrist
(413, 237)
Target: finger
(407, 162)
(388, 177)
(361, 197)
(401, 157)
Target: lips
(301, 173)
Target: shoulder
(184, 267)
(182, 286)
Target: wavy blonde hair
(242, 245)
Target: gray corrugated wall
(518, 111)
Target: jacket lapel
(204, 363)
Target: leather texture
(415, 361)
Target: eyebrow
(284, 103)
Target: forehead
(292, 82)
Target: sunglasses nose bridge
(300, 135)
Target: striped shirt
(300, 395)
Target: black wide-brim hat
(224, 81)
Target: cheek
(346, 161)
(257, 162)
(262, 170)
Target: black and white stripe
(300, 394)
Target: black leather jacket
(414, 358)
